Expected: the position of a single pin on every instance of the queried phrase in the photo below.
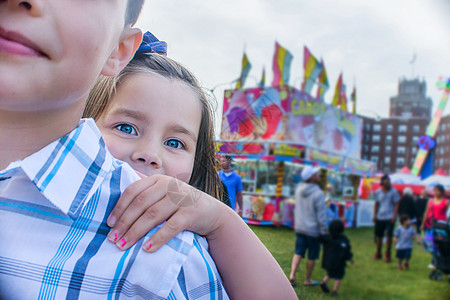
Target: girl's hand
(154, 199)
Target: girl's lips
(15, 44)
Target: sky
(371, 42)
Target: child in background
(58, 182)
(336, 252)
(154, 116)
(404, 239)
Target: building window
(401, 150)
(414, 150)
(400, 161)
(389, 128)
(376, 138)
(387, 149)
(415, 140)
(366, 148)
(402, 128)
(376, 127)
(374, 159)
(387, 160)
(375, 149)
(389, 139)
(416, 128)
(367, 127)
(402, 139)
(366, 138)
(386, 170)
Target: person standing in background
(384, 215)
(233, 183)
(421, 204)
(406, 205)
(310, 223)
(436, 209)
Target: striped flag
(324, 85)
(340, 99)
(246, 66)
(353, 97)
(313, 68)
(281, 66)
(262, 83)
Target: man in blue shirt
(232, 181)
(384, 215)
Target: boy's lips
(16, 44)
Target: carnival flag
(353, 97)
(281, 66)
(312, 70)
(323, 82)
(246, 66)
(339, 99)
(262, 83)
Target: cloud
(371, 42)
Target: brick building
(392, 142)
(442, 151)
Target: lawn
(366, 279)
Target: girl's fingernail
(113, 236)
(147, 245)
(122, 243)
(111, 221)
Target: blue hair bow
(151, 44)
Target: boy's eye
(127, 129)
(174, 144)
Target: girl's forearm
(247, 268)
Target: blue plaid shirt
(53, 210)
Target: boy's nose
(34, 7)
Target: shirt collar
(68, 171)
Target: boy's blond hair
(133, 10)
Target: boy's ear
(129, 42)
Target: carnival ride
(423, 164)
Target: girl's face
(437, 193)
(152, 123)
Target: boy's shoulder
(344, 239)
(70, 170)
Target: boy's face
(52, 51)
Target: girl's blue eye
(127, 129)
(174, 144)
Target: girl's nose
(148, 155)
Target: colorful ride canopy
(284, 113)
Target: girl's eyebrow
(180, 129)
(135, 114)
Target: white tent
(440, 177)
(404, 176)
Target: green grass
(366, 279)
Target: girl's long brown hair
(204, 175)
